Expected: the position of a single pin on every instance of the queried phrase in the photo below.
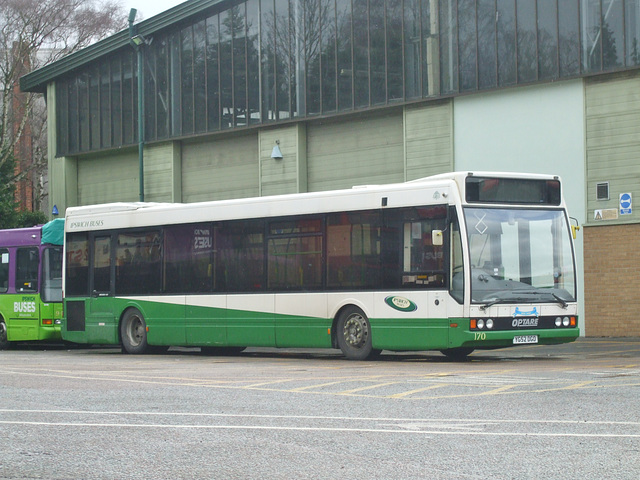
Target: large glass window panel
(187, 78)
(361, 52)
(129, 105)
(506, 37)
(328, 61)
(213, 74)
(284, 60)
(199, 78)
(591, 35)
(378, 43)
(468, 44)
(569, 38)
(311, 34)
(395, 65)
(158, 55)
(345, 60)
(267, 59)
(632, 32)
(448, 46)
(527, 42)
(83, 112)
(237, 17)
(487, 41)
(430, 49)
(547, 39)
(175, 84)
(105, 105)
(94, 106)
(150, 93)
(612, 34)
(412, 48)
(74, 134)
(116, 101)
(253, 61)
(226, 68)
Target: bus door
(101, 322)
(25, 318)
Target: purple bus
(31, 283)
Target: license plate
(523, 339)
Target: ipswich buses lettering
(27, 305)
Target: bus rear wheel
(133, 332)
(4, 343)
(354, 334)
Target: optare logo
(526, 313)
(400, 303)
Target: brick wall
(612, 280)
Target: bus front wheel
(354, 334)
(133, 332)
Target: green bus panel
(23, 315)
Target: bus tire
(353, 331)
(4, 343)
(133, 332)
(460, 353)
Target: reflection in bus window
(27, 270)
(4, 270)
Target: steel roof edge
(37, 80)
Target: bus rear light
(47, 321)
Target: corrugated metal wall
(108, 179)
(220, 169)
(612, 141)
(355, 152)
(428, 136)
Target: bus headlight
(558, 322)
(489, 324)
(480, 324)
(565, 321)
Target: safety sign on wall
(625, 204)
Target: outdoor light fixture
(276, 153)
(138, 40)
(54, 211)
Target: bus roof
(438, 189)
(20, 237)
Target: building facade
(363, 91)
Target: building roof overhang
(37, 80)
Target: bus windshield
(520, 256)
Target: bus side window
(27, 270)
(4, 270)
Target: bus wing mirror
(574, 228)
(437, 238)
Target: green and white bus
(31, 283)
(454, 262)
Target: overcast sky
(149, 8)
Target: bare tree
(34, 33)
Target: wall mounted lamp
(276, 153)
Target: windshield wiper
(560, 301)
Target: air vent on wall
(602, 191)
